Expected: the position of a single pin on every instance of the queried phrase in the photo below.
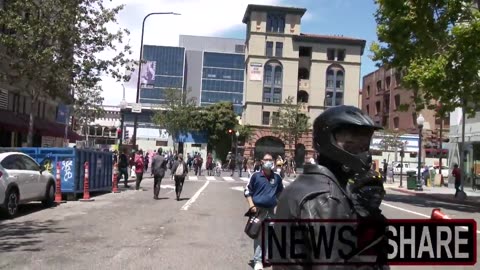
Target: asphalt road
(130, 230)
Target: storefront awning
(10, 121)
(53, 129)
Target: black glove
(367, 193)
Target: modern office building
(215, 69)
(283, 62)
(165, 69)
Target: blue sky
(353, 18)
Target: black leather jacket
(316, 194)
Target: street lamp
(420, 121)
(135, 124)
(123, 106)
(236, 150)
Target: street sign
(136, 108)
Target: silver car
(23, 180)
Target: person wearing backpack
(139, 167)
(179, 171)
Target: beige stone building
(281, 61)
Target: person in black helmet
(341, 186)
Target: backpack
(179, 170)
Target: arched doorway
(300, 155)
(269, 144)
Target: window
(331, 54)
(279, 49)
(379, 86)
(239, 48)
(387, 82)
(397, 101)
(13, 162)
(303, 74)
(368, 109)
(341, 55)
(276, 23)
(396, 122)
(305, 51)
(275, 118)
(30, 165)
(269, 49)
(266, 118)
(334, 85)
(368, 91)
(378, 106)
(272, 82)
(302, 97)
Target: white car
(23, 180)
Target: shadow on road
(430, 203)
(184, 199)
(26, 235)
(26, 209)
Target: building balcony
(304, 85)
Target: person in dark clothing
(341, 186)
(385, 170)
(123, 168)
(159, 166)
(179, 172)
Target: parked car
(407, 167)
(23, 180)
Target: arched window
(272, 82)
(302, 96)
(276, 22)
(335, 85)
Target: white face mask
(279, 170)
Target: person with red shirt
(139, 168)
(457, 174)
(209, 164)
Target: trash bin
(411, 180)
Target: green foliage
(177, 114)
(88, 105)
(50, 48)
(290, 123)
(435, 44)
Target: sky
(352, 18)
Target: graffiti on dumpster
(47, 165)
(67, 170)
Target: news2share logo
(347, 242)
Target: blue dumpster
(72, 162)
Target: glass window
(214, 97)
(239, 48)
(30, 165)
(341, 54)
(331, 54)
(276, 23)
(168, 82)
(269, 48)
(330, 78)
(169, 60)
(338, 98)
(328, 98)
(267, 75)
(339, 80)
(13, 162)
(223, 86)
(225, 60)
(279, 49)
(266, 118)
(278, 75)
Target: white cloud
(206, 17)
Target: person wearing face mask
(261, 193)
(341, 186)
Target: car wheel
(11, 203)
(49, 200)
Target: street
(130, 230)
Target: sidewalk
(444, 194)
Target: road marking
(194, 197)
(413, 212)
(245, 179)
(238, 188)
(211, 178)
(228, 179)
(192, 178)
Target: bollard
(86, 192)
(115, 179)
(437, 214)
(58, 186)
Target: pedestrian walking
(139, 169)
(457, 174)
(179, 172)
(341, 186)
(159, 166)
(123, 168)
(261, 193)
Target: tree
(50, 48)
(435, 44)
(88, 106)
(216, 120)
(290, 123)
(176, 113)
(391, 141)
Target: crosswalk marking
(210, 178)
(192, 178)
(228, 179)
(244, 179)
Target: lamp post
(420, 121)
(236, 151)
(135, 124)
(123, 106)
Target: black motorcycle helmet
(324, 142)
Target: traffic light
(119, 133)
(230, 131)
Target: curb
(439, 198)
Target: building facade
(165, 69)
(391, 106)
(283, 62)
(214, 69)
